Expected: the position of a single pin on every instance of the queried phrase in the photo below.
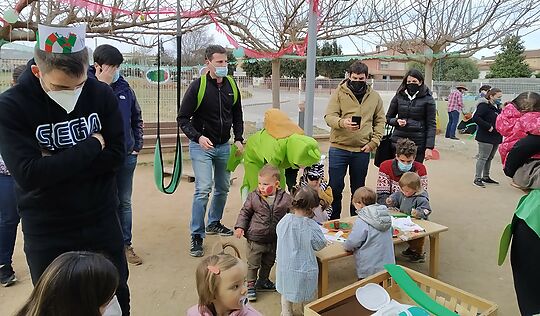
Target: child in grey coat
(412, 200)
(371, 235)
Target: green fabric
(261, 148)
(504, 243)
(528, 209)
(414, 311)
(159, 174)
(202, 90)
(234, 89)
(234, 160)
(413, 291)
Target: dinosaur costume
(280, 143)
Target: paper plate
(372, 296)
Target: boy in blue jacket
(107, 60)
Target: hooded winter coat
(405, 204)
(513, 126)
(371, 240)
(420, 114)
(344, 104)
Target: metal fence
(255, 90)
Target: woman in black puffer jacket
(487, 136)
(412, 113)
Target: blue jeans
(453, 118)
(339, 161)
(209, 168)
(124, 183)
(9, 219)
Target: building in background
(532, 58)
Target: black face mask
(412, 88)
(357, 86)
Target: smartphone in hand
(357, 120)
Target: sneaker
(7, 275)
(454, 138)
(196, 249)
(132, 257)
(417, 258)
(479, 183)
(408, 253)
(251, 292)
(265, 286)
(489, 180)
(218, 228)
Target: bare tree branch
(122, 26)
(458, 26)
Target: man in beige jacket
(351, 143)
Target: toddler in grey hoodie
(412, 200)
(371, 235)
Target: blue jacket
(130, 110)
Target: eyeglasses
(312, 177)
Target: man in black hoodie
(62, 139)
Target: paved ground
(165, 283)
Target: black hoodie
(74, 186)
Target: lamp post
(310, 69)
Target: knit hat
(315, 171)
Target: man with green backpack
(210, 108)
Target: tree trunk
(428, 66)
(275, 82)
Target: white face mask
(67, 99)
(113, 308)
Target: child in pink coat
(515, 122)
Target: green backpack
(202, 90)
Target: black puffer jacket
(420, 115)
(485, 117)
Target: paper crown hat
(60, 39)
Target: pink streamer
(300, 49)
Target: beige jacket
(344, 104)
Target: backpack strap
(202, 90)
(234, 89)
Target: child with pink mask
(257, 221)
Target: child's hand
(389, 201)
(239, 232)
(416, 213)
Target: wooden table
(335, 251)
